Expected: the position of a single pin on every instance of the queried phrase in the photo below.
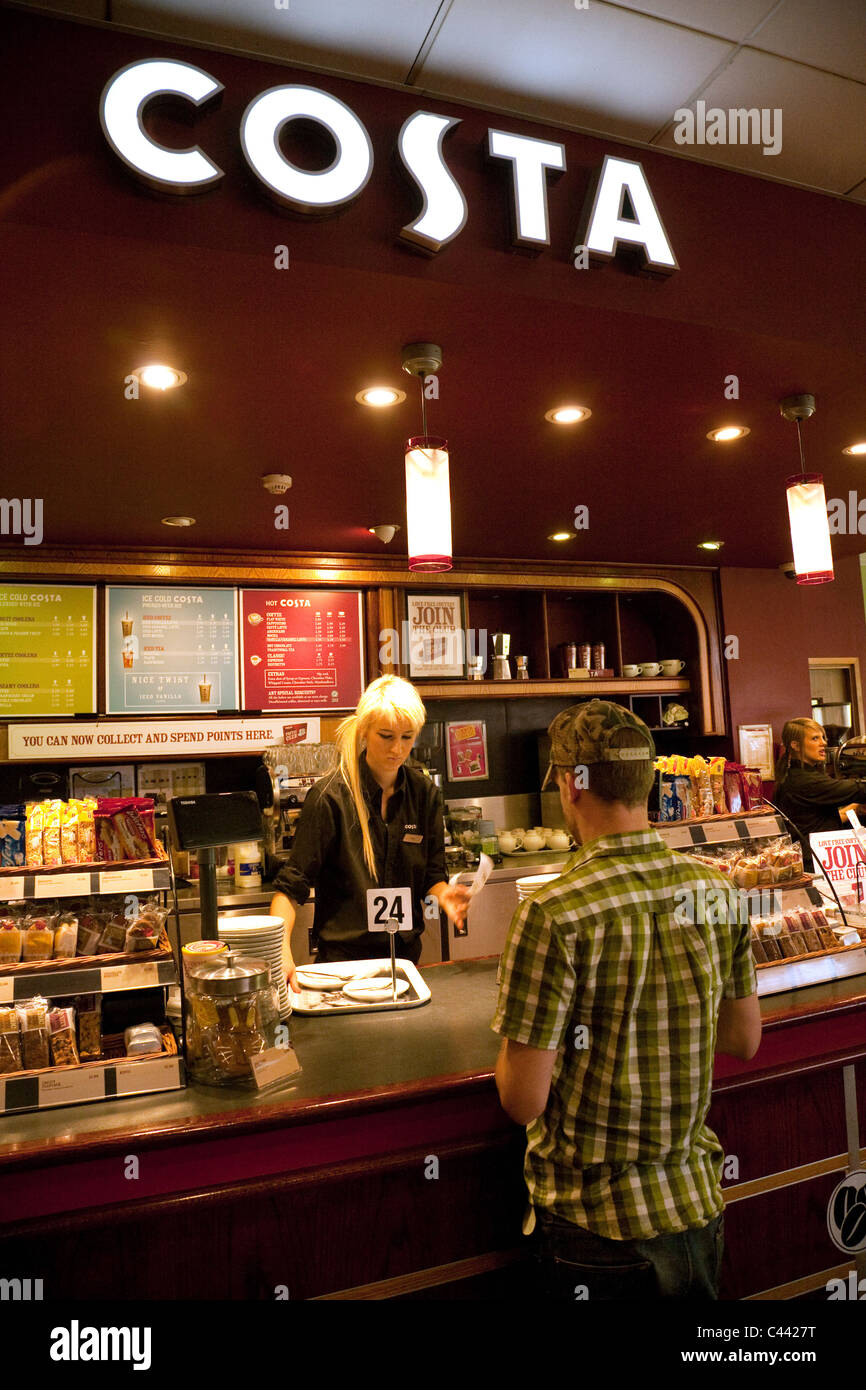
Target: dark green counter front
(388, 1169)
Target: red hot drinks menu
(301, 649)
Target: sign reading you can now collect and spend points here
(150, 737)
(47, 650)
(301, 649)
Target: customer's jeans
(576, 1264)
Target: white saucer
(375, 990)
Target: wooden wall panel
(317, 1233)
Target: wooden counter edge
(282, 1114)
(285, 1112)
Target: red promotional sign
(301, 649)
(466, 749)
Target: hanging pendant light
(807, 507)
(428, 493)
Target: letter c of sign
(121, 108)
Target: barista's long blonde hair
(388, 700)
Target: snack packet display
(11, 941)
(702, 788)
(65, 935)
(90, 928)
(89, 1010)
(10, 1041)
(51, 853)
(142, 1038)
(38, 943)
(113, 936)
(754, 786)
(69, 832)
(13, 842)
(33, 1025)
(34, 820)
(86, 830)
(734, 794)
(125, 829)
(143, 932)
(717, 782)
(61, 1036)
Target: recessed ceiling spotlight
(727, 433)
(562, 536)
(160, 377)
(710, 545)
(567, 414)
(855, 449)
(178, 521)
(380, 396)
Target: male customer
(615, 992)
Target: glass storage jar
(231, 1016)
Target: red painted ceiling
(99, 276)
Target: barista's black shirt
(328, 855)
(812, 799)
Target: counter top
(354, 1064)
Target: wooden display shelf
(539, 689)
(87, 866)
(716, 819)
(113, 1077)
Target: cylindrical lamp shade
(810, 529)
(428, 503)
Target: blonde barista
(373, 822)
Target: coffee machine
(282, 784)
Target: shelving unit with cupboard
(638, 620)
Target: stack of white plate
(527, 886)
(260, 938)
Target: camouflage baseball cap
(581, 735)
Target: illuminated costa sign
(621, 185)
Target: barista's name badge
(413, 839)
(389, 909)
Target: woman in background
(807, 794)
(373, 822)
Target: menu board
(170, 650)
(47, 649)
(301, 649)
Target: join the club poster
(301, 649)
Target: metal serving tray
(311, 1002)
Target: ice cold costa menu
(170, 650)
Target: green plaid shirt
(598, 966)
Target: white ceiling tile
(733, 19)
(830, 35)
(822, 122)
(603, 68)
(376, 39)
